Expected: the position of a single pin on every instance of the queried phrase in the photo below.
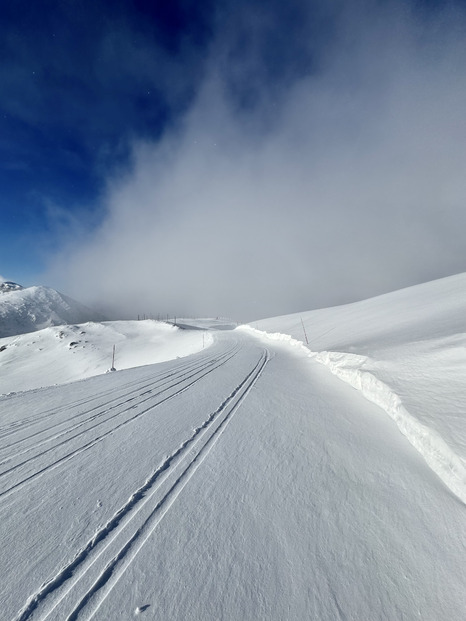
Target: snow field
(405, 352)
(95, 434)
(309, 505)
(243, 481)
(60, 354)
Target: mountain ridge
(29, 309)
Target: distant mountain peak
(34, 308)
(8, 285)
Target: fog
(339, 185)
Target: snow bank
(405, 352)
(439, 456)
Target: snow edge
(348, 367)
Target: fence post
(304, 330)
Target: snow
(62, 354)
(35, 308)
(244, 481)
(7, 286)
(405, 351)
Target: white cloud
(356, 188)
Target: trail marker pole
(304, 330)
(113, 360)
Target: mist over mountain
(34, 308)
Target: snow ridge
(349, 367)
(34, 308)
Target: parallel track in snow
(111, 416)
(81, 585)
(126, 393)
(134, 387)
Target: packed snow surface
(244, 481)
(34, 308)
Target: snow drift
(405, 351)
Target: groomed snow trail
(244, 482)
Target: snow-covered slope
(56, 355)
(34, 308)
(406, 352)
(246, 481)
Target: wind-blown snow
(34, 308)
(405, 351)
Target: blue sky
(101, 104)
(78, 81)
(81, 80)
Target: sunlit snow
(66, 353)
(243, 481)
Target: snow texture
(244, 481)
(405, 351)
(62, 354)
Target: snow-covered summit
(7, 286)
(34, 308)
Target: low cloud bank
(346, 183)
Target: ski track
(136, 386)
(123, 398)
(107, 406)
(97, 567)
(9, 488)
